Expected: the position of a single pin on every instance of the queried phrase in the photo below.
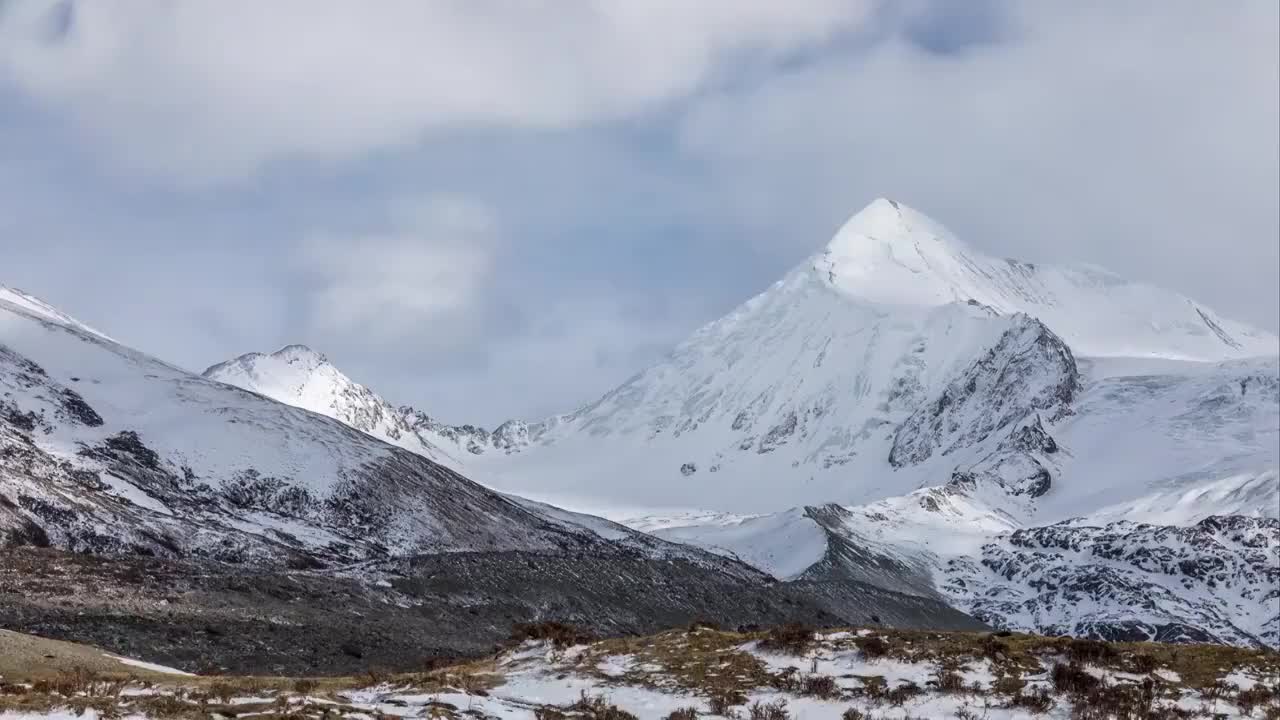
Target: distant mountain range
(1053, 449)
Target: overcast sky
(495, 208)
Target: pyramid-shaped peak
(880, 214)
(887, 222)
(890, 253)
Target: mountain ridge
(912, 401)
(859, 263)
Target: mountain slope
(1152, 512)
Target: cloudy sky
(493, 208)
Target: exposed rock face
(1216, 581)
(1020, 463)
(1029, 370)
(1030, 437)
(848, 558)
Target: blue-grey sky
(492, 209)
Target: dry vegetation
(1098, 680)
(715, 664)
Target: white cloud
(202, 90)
(426, 265)
(1140, 136)
(570, 353)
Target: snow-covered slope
(1151, 512)
(925, 401)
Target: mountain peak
(253, 361)
(880, 216)
(889, 253)
(890, 222)
(300, 352)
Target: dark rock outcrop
(1029, 370)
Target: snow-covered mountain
(916, 403)
(798, 396)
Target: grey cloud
(155, 84)
(426, 263)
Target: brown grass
(901, 694)
(823, 686)
(1036, 701)
(872, 647)
(776, 710)
(560, 634)
(706, 662)
(596, 707)
(700, 660)
(723, 702)
(792, 639)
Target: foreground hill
(783, 674)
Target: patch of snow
(148, 666)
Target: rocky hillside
(1215, 581)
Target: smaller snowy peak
(300, 353)
(299, 376)
(294, 355)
